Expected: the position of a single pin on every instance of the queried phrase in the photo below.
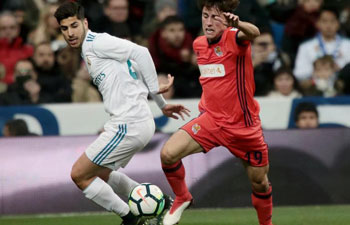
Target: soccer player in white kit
(124, 74)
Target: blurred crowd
(303, 49)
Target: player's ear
(86, 23)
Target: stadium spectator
(343, 82)
(12, 47)
(68, 61)
(345, 20)
(16, 128)
(301, 25)
(3, 85)
(323, 78)
(163, 9)
(25, 89)
(48, 29)
(50, 78)
(280, 10)
(326, 42)
(26, 13)
(266, 60)
(306, 116)
(171, 50)
(285, 85)
(190, 13)
(83, 90)
(115, 19)
(251, 11)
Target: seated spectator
(301, 25)
(83, 90)
(266, 60)
(281, 10)
(345, 21)
(115, 20)
(343, 82)
(285, 85)
(48, 29)
(16, 128)
(163, 9)
(323, 78)
(26, 13)
(12, 47)
(171, 50)
(25, 89)
(163, 79)
(68, 60)
(326, 42)
(190, 13)
(306, 116)
(251, 11)
(3, 85)
(52, 82)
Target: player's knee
(260, 185)
(166, 156)
(76, 176)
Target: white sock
(102, 194)
(121, 183)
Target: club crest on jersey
(195, 128)
(218, 51)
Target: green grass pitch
(306, 215)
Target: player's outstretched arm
(248, 31)
(170, 110)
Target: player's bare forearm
(248, 31)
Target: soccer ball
(146, 200)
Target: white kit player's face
(74, 31)
(212, 27)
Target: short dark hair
(222, 5)
(332, 10)
(69, 9)
(304, 107)
(171, 20)
(17, 127)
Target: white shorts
(119, 142)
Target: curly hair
(222, 5)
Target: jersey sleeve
(110, 47)
(234, 43)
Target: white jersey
(115, 65)
(311, 50)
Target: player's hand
(232, 20)
(171, 111)
(165, 87)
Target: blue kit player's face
(74, 31)
(212, 27)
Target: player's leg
(84, 174)
(177, 147)
(262, 192)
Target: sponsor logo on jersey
(99, 79)
(195, 128)
(218, 51)
(212, 70)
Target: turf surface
(307, 215)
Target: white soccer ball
(146, 200)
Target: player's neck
(214, 41)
